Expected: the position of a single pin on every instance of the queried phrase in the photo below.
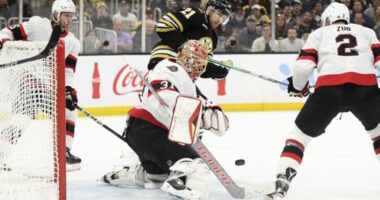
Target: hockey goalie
(162, 139)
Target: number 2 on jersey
(346, 48)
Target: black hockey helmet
(224, 6)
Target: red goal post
(32, 123)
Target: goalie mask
(61, 6)
(192, 57)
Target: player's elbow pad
(215, 120)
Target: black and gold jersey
(175, 28)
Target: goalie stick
(54, 38)
(233, 189)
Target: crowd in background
(248, 29)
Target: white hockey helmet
(61, 6)
(338, 11)
(325, 19)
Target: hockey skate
(282, 183)
(72, 162)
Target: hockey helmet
(61, 6)
(325, 21)
(192, 56)
(222, 6)
(337, 12)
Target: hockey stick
(247, 72)
(99, 122)
(54, 38)
(230, 185)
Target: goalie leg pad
(134, 176)
(189, 179)
(215, 120)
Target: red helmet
(192, 57)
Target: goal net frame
(57, 121)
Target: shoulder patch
(173, 68)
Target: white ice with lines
(339, 165)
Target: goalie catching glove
(296, 93)
(214, 120)
(71, 98)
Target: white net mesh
(29, 153)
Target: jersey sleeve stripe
(176, 21)
(18, 32)
(162, 23)
(376, 51)
(165, 29)
(308, 54)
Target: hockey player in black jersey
(175, 28)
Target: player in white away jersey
(345, 56)
(176, 168)
(40, 29)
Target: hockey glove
(215, 72)
(2, 42)
(296, 93)
(214, 120)
(71, 98)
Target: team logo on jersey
(207, 43)
(173, 68)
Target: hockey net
(32, 123)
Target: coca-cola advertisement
(109, 81)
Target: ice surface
(339, 165)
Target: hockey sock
(292, 153)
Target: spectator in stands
(102, 18)
(236, 21)
(185, 4)
(260, 15)
(151, 37)
(318, 8)
(307, 4)
(287, 12)
(171, 5)
(4, 9)
(357, 7)
(281, 27)
(158, 4)
(347, 3)
(124, 39)
(291, 43)
(297, 8)
(370, 11)
(307, 25)
(91, 42)
(232, 43)
(358, 18)
(265, 43)
(376, 16)
(277, 9)
(248, 34)
(129, 19)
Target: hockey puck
(239, 162)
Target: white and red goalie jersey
(40, 29)
(341, 54)
(169, 80)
